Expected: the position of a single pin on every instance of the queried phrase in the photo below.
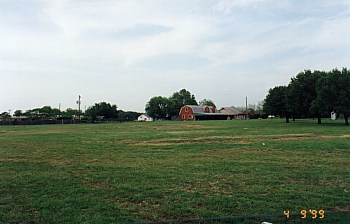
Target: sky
(125, 52)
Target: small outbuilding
(144, 117)
(233, 113)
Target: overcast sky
(126, 51)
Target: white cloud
(228, 6)
(117, 43)
(76, 20)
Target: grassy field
(147, 172)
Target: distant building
(144, 117)
(233, 113)
(333, 116)
(194, 112)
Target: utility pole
(59, 111)
(246, 108)
(79, 102)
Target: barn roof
(197, 109)
(230, 110)
(200, 109)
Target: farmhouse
(144, 117)
(194, 112)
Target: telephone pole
(246, 108)
(59, 112)
(79, 103)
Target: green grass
(144, 172)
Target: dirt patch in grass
(32, 148)
(186, 141)
(335, 136)
(189, 132)
(217, 137)
(58, 162)
(155, 143)
(298, 137)
(28, 146)
(223, 151)
(54, 162)
(97, 185)
(12, 160)
(40, 132)
(294, 137)
(149, 143)
(189, 142)
(341, 209)
(208, 188)
(171, 127)
(247, 139)
(126, 141)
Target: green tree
(260, 108)
(69, 113)
(302, 92)
(5, 115)
(317, 108)
(275, 102)
(333, 93)
(45, 112)
(102, 109)
(182, 98)
(128, 115)
(206, 102)
(341, 82)
(18, 113)
(159, 107)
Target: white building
(144, 117)
(333, 116)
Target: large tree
(69, 113)
(302, 92)
(206, 102)
(341, 83)
(5, 115)
(103, 109)
(333, 93)
(18, 113)
(275, 102)
(159, 107)
(182, 98)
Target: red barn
(194, 112)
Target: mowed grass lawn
(145, 172)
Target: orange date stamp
(311, 213)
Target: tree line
(311, 94)
(102, 111)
